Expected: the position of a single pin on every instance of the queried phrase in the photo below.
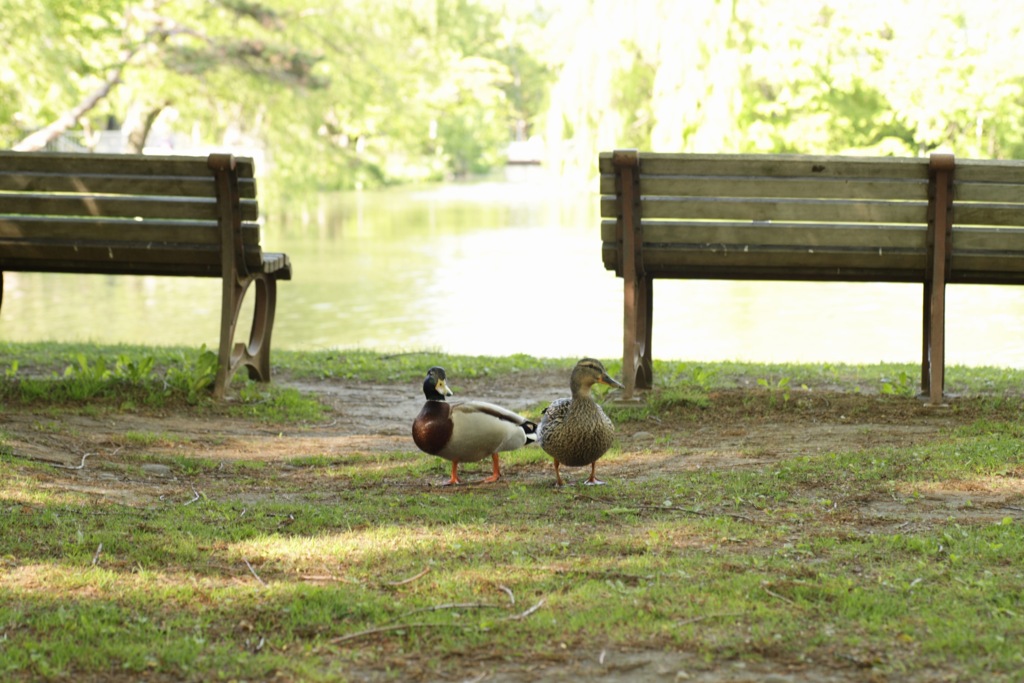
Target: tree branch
(41, 137)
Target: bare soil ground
(742, 428)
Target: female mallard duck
(466, 431)
(575, 431)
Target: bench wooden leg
(940, 235)
(254, 355)
(637, 371)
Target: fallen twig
(704, 617)
(508, 591)
(79, 466)
(450, 605)
(327, 577)
(690, 511)
(772, 593)
(195, 498)
(409, 580)
(420, 624)
(523, 615)
(1013, 507)
(96, 555)
(388, 629)
(253, 572)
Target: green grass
(281, 569)
(628, 565)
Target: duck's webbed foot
(454, 481)
(593, 480)
(496, 467)
(558, 477)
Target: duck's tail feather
(530, 429)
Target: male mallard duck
(466, 431)
(575, 431)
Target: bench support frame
(638, 307)
(940, 237)
(236, 278)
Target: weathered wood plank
(1007, 215)
(115, 164)
(77, 256)
(990, 171)
(814, 210)
(170, 206)
(184, 186)
(113, 231)
(659, 233)
(763, 187)
(776, 165)
(785, 210)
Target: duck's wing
(491, 410)
(491, 426)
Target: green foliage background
(356, 93)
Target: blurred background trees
(348, 93)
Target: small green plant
(777, 390)
(135, 371)
(901, 385)
(193, 376)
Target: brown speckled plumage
(574, 431)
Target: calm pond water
(500, 268)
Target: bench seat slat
(92, 183)
(171, 206)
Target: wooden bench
(933, 221)
(147, 215)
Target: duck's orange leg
(558, 477)
(496, 470)
(455, 474)
(593, 481)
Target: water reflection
(501, 268)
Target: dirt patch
(736, 429)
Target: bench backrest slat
(72, 164)
(41, 229)
(12, 180)
(818, 210)
(808, 235)
(776, 188)
(776, 165)
(120, 206)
